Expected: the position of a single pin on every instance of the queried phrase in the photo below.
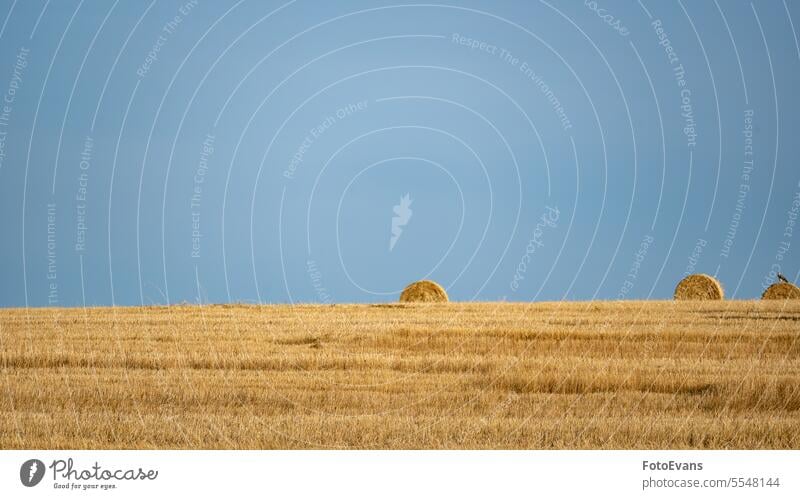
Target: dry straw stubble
(631, 375)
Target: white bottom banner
(401, 474)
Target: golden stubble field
(474, 375)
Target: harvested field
(712, 374)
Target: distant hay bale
(423, 291)
(699, 287)
(782, 291)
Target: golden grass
(492, 375)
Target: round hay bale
(699, 287)
(782, 291)
(423, 291)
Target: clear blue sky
(258, 151)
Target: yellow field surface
(480, 375)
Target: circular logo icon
(31, 472)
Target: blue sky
(258, 151)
